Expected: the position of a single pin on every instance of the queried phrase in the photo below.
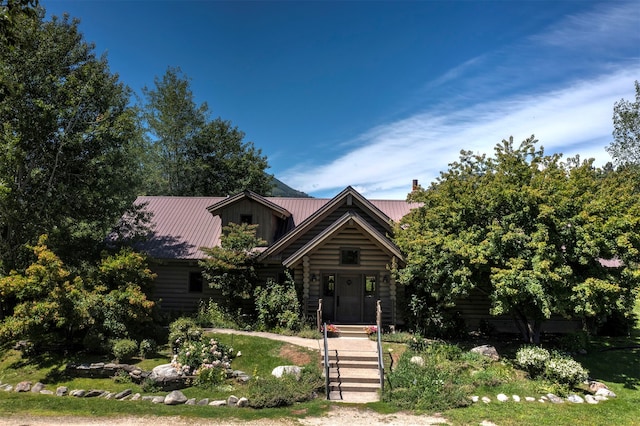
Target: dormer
(254, 209)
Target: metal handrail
(326, 362)
(379, 332)
(319, 315)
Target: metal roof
(182, 225)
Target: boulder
(475, 398)
(594, 386)
(158, 400)
(529, 399)
(243, 402)
(78, 393)
(605, 392)
(136, 396)
(502, 397)
(24, 386)
(93, 393)
(516, 398)
(417, 360)
(488, 351)
(232, 400)
(590, 399)
(62, 391)
(190, 401)
(46, 392)
(218, 403)
(204, 401)
(486, 399)
(286, 369)
(164, 373)
(122, 394)
(555, 399)
(576, 399)
(37, 387)
(175, 398)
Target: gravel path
(336, 416)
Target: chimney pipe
(415, 185)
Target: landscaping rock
(8, 388)
(417, 360)
(605, 392)
(109, 395)
(516, 398)
(529, 399)
(594, 386)
(122, 394)
(240, 376)
(175, 398)
(232, 400)
(62, 391)
(600, 398)
(218, 403)
(576, 399)
(46, 392)
(93, 393)
(590, 399)
(475, 398)
(555, 399)
(502, 397)
(158, 400)
(243, 402)
(24, 386)
(135, 397)
(37, 387)
(286, 369)
(486, 399)
(190, 401)
(204, 401)
(488, 351)
(148, 398)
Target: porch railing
(319, 316)
(326, 361)
(379, 336)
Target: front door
(349, 299)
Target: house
(338, 250)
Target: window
(195, 282)
(329, 285)
(350, 256)
(246, 219)
(370, 286)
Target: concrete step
(354, 397)
(353, 387)
(353, 331)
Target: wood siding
(269, 224)
(171, 288)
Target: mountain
(280, 189)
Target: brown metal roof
(181, 225)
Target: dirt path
(336, 416)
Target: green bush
(124, 349)
(439, 384)
(533, 359)
(183, 329)
(95, 342)
(574, 342)
(210, 314)
(147, 347)
(565, 371)
(270, 391)
(278, 306)
(209, 378)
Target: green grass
(259, 356)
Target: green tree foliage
(190, 155)
(67, 163)
(527, 230)
(231, 267)
(278, 305)
(10, 13)
(625, 148)
(49, 300)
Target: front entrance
(349, 299)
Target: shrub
(308, 332)
(418, 344)
(209, 378)
(532, 359)
(193, 357)
(438, 384)
(277, 305)
(147, 347)
(270, 391)
(565, 371)
(95, 342)
(210, 314)
(183, 330)
(574, 342)
(124, 349)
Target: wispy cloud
(568, 111)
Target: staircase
(353, 366)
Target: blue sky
(376, 94)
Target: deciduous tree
(530, 231)
(625, 148)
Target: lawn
(614, 361)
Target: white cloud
(573, 120)
(565, 99)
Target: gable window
(246, 219)
(195, 282)
(350, 256)
(328, 285)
